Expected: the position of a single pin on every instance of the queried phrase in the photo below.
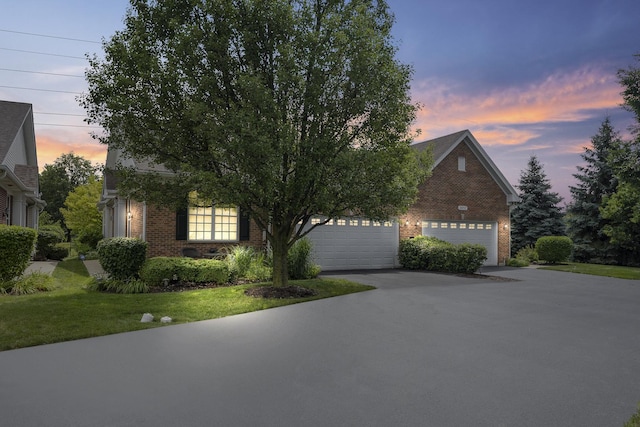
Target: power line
(70, 126)
(40, 72)
(41, 90)
(49, 36)
(42, 53)
(60, 114)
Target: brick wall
(161, 235)
(3, 205)
(448, 188)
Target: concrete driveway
(552, 349)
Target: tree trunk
(280, 251)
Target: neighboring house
(20, 202)
(467, 199)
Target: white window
(341, 222)
(366, 222)
(208, 222)
(353, 222)
(462, 163)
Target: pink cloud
(52, 143)
(560, 97)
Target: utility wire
(41, 53)
(40, 72)
(49, 36)
(70, 126)
(60, 114)
(41, 90)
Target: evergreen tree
(537, 214)
(622, 208)
(596, 180)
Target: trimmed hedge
(430, 253)
(16, 246)
(122, 257)
(156, 269)
(48, 237)
(553, 249)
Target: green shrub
(239, 259)
(48, 237)
(553, 249)
(130, 286)
(528, 254)
(156, 270)
(28, 284)
(16, 246)
(58, 252)
(259, 269)
(469, 258)
(634, 421)
(211, 271)
(299, 261)
(430, 253)
(517, 262)
(122, 257)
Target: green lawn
(70, 312)
(597, 270)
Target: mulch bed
(280, 292)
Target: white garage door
(355, 243)
(483, 233)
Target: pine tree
(537, 214)
(596, 180)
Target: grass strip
(71, 312)
(619, 272)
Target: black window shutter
(244, 225)
(181, 224)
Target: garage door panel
(355, 243)
(457, 232)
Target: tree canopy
(81, 212)
(537, 215)
(622, 208)
(595, 182)
(288, 109)
(57, 180)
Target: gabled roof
(441, 147)
(13, 116)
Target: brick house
(467, 199)
(20, 202)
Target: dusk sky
(525, 77)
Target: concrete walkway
(47, 267)
(552, 349)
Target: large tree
(537, 215)
(595, 182)
(622, 208)
(81, 212)
(286, 108)
(61, 177)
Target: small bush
(122, 257)
(130, 286)
(517, 262)
(239, 259)
(554, 249)
(28, 284)
(156, 269)
(528, 254)
(16, 246)
(48, 237)
(634, 421)
(299, 260)
(259, 269)
(58, 253)
(430, 253)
